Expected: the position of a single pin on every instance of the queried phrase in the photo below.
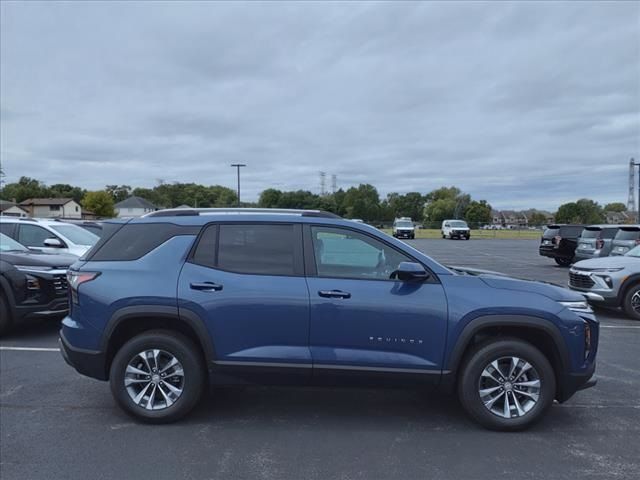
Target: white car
(455, 229)
(51, 236)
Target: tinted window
(205, 253)
(260, 249)
(624, 234)
(591, 233)
(571, 231)
(76, 235)
(7, 229)
(133, 241)
(344, 253)
(33, 235)
(609, 232)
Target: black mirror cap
(410, 271)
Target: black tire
(470, 376)
(564, 261)
(5, 315)
(177, 345)
(628, 302)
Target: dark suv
(32, 284)
(560, 242)
(166, 304)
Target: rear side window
(267, 249)
(133, 241)
(627, 234)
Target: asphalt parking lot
(55, 424)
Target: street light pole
(238, 165)
(637, 165)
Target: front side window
(266, 249)
(33, 235)
(344, 253)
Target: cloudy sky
(524, 104)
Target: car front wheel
(631, 303)
(157, 376)
(506, 384)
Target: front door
(361, 319)
(246, 282)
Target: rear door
(246, 281)
(361, 320)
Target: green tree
(537, 218)
(64, 190)
(270, 198)
(362, 202)
(444, 203)
(582, 211)
(615, 207)
(118, 192)
(24, 188)
(99, 202)
(408, 205)
(478, 212)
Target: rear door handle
(206, 286)
(334, 294)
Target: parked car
(403, 228)
(595, 241)
(32, 284)
(164, 303)
(626, 239)
(49, 236)
(92, 226)
(560, 242)
(612, 281)
(455, 229)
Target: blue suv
(165, 305)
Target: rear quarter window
(133, 241)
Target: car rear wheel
(563, 261)
(631, 303)
(5, 316)
(157, 376)
(506, 384)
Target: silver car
(626, 239)
(596, 241)
(610, 281)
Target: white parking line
(29, 349)
(619, 326)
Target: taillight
(75, 279)
(637, 241)
(599, 243)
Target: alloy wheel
(154, 379)
(509, 387)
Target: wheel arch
(628, 283)
(130, 321)
(536, 331)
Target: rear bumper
(87, 362)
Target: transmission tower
(323, 182)
(631, 202)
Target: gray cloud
(524, 104)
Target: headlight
(607, 270)
(578, 307)
(33, 268)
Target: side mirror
(410, 271)
(53, 242)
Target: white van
(455, 229)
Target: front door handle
(206, 286)
(334, 294)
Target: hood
(502, 281)
(39, 259)
(607, 262)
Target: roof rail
(191, 212)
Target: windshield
(458, 223)
(9, 244)
(634, 252)
(404, 224)
(76, 235)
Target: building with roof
(12, 209)
(52, 208)
(134, 207)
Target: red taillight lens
(75, 279)
(599, 243)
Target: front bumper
(56, 308)
(405, 233)
(91, 363)
(571, 383)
